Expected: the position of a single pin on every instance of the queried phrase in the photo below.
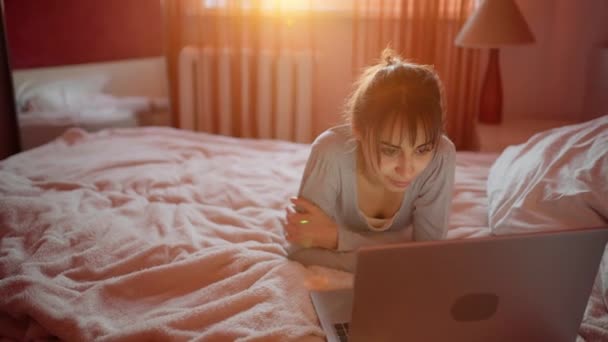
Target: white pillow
(557, 180)
(59, 94)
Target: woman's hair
(392, 92)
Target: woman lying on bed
(385, 177)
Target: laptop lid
(525, 287)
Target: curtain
(237, 36)
(342, 35)
(423, 31)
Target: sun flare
(283, 6)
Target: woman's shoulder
(446, 146)
(445, 154)
(335, 140)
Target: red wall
(59, 32)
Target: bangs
(407, 125)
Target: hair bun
(389, 57)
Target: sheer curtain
(342, 35)
(238, 34)
(423, 31)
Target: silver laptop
(525, 287)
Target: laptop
(525, 287)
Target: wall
(550, 79)
(63, 32)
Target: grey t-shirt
(330, 181)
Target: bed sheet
(156, 233)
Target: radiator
(289, 103)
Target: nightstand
(495, 138)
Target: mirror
(92, 64)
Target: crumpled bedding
(157, 234)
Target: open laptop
(525, 287)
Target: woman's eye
(389, 152)
(423, 149)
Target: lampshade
(495, 23)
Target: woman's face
(401, 162)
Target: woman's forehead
(397, 132)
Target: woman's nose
(404, 166)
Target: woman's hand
(309, 226)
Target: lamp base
(490, 101)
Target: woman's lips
(399, 184)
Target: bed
(156, 233)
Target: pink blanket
(151, 234)
(158, 234)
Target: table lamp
(494, 23)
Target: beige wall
(550, 79)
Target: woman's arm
(310, 220)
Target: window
(367, 8)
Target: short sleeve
(321, 179)
(433, 204)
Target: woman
(386, 176)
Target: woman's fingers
(290, 209)
(290, 238)
(293, 216)
(290, 228)
(303, 205)
(293, 233)
(297, 217)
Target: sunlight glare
(285, 6)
